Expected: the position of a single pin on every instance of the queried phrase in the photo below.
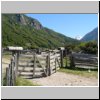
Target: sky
(71, 25)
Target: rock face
(36, 25)
(93, 35)
(23, 20)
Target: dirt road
(63, 79)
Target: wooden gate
(33, 65)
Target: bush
(89, 47)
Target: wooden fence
(84, 61)
(32, 65)
(11, 73)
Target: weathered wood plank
(85, 64)
(85, 60)
(25, 65)
(28, 56)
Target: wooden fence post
(15, 58)
(16, 63)
(66, 57)
(7, 77)
(12, 71)
(34, 64)
(48, 64)
(10, 74)
(55, 65)
(72, 63)
(61, 52)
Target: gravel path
(63, 79)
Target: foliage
(69, 47)
(90, 47)
(15, 33)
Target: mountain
(21, 30)
(91, 36)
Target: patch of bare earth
(63, 79)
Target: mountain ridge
(91, 36)
(21, 30)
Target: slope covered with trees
(20, 30)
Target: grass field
(81, 72)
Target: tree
(89, 47)
(69, 48)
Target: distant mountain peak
(78, 37)
(92, 35)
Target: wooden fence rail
(84, 61)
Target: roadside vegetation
(21, 82)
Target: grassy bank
(21, 82)
(24, 82)
(81, 72)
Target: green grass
(66, 62)
(24, 82)
(21, 82)
(81, 72)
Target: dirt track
(63, 79)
